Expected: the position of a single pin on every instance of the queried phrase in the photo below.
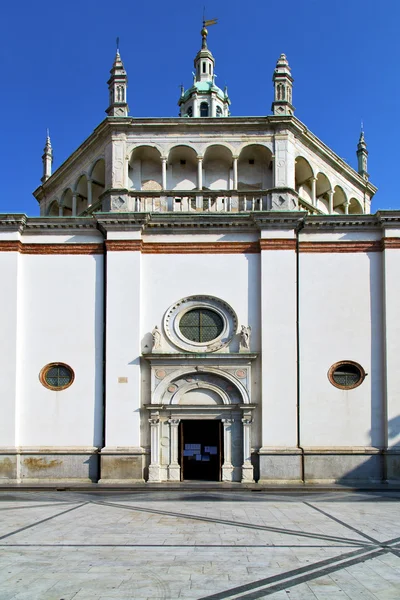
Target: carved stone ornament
(176, 311)
(240, 373)
(160, 373)
(156, 333)
(245, 334)
(118, 203)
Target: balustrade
(199, 201)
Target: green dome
(203, 87)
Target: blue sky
(55, 59)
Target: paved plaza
(219, 545)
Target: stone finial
(47, 158)
(362, 155)
(117, 86)
(283, 84)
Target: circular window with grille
(200, 324)
(56, 376)
(346, 375)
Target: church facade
(205, 297)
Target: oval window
(56, 376)
(201, 325)
(346, 375)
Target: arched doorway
(200, 421)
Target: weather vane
(208, 23)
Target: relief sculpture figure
(245, 334)
(156, 338)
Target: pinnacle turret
(362, 156)
(283, 84)
(117, 86)
(47, 159)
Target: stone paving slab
(199, 545)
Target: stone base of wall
(392, 464)
(347, 465)
(8, 466)
(49, 465)
(280, 465)
(327, 465)
(122, 465)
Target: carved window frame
(175, 312)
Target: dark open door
(200, 450)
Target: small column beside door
(227, 467)
(154, 467)
(247, 467)
(174, 469)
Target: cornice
(196, 222)
(14, 223)
(278, 219)
(192, 222)
(67, 224)
(120, 221)
(389, 219)
(194, 356)
(314, 223)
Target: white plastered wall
(391, 260)
(62, 318)
(10, 268)
(278, 322)
(340, 319)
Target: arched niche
(182, 168)
(53, 209)
(200, 396)
(145, 170)
(81, 190)
(98, 175)
(217, 165)
(339, 200)
(322, 188)
(303, 174)
(355, 207)
(255, 168)
(175, 385)
(66, 202)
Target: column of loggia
(279, 455)
(199, 199)
(391, 341)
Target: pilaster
(174, 469)
(279, 344)
(227, 467)
(155, 467)
(247, 468)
